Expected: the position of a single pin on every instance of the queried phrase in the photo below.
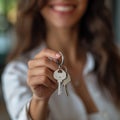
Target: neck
(64, 40)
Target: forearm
(38, 109)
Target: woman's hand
(40, 74)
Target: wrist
(39, 101)
(38, 108)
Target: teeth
(63, 8)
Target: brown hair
(96, 36)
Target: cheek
(82, 7)
(46, 15)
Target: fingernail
(57, 55)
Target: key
(59, 75)
(62, 76)
(66, 91)
(59, 88)
(65, 82)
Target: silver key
(59, 88)
(59, 75)
(62, 76)
(66, 91)
(65, 82)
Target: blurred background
(8, 39)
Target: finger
(41, 71)
(43, 62)
(48, 53)
(41, 80)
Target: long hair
(96, 36)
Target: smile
(64, 8)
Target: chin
(66, 24)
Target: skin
(61, 30)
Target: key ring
(60, 64)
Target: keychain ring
(62, 59)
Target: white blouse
(17, 94)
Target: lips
(63, 7)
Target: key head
(59, 74)
(67, 80)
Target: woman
(82, 31)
